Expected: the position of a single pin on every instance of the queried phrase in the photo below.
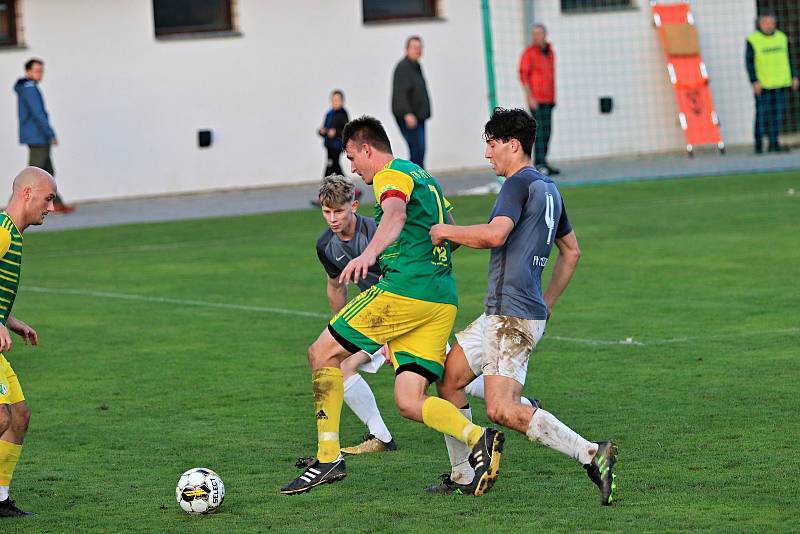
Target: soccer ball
(200, 491)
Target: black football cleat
(485, 460)
(447, 486)
(601, 471)
(316, 473)
(9, 509)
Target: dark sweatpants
(39, 156)
(544, 125)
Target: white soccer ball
(200, 491)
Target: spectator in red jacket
(537, 72)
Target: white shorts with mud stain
(500, 345)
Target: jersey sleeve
(564, 226)
(332, 270)
(448, 207)
(5, 241)
(511, 200)
(391, 183)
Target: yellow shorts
(10, 390)
(415, 330)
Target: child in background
(331, 133)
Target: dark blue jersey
(533, 202)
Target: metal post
(488, 49)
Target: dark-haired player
(527, 219)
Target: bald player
(31, 201)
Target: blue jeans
(769, 115)
(415, 137)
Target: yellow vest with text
(771, 59)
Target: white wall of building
(126, 107)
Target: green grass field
(170, 346)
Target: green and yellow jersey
(412, 266)
(10, 264)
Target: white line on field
(182, 302)
(627, 341)
(264, 309)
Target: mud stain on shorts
(508, 346)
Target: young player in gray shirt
(346, 237)
(528, 218)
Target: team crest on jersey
(3, 389)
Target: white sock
(458, 452)
(360, 399)
(475, 388)
(549, 431)
(3, 493)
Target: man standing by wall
(34, 123)
(771, 72)
(411, 105)
(537, 73)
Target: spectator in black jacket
(410, 103)
(331, 132)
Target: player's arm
(568, 255)
(508, 209)
(491, 235)
(337, 295)
(392, 222)
(24, 331)
(5, 337)
(452, 221)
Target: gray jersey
(335, 254)
(533, 202)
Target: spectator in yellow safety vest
(771, 71)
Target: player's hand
(24, 331)
(437, 234)
(5, 339)
(386, 353)
(54, 142)
(756, 88)
(357, 268)
(321, 131)
(795, 84)
(331, 133)
(532, 103)
(411, 120)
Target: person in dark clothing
(771, 72)
(331, 132)
(537, 73)
(34, 123)
(411, 105)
